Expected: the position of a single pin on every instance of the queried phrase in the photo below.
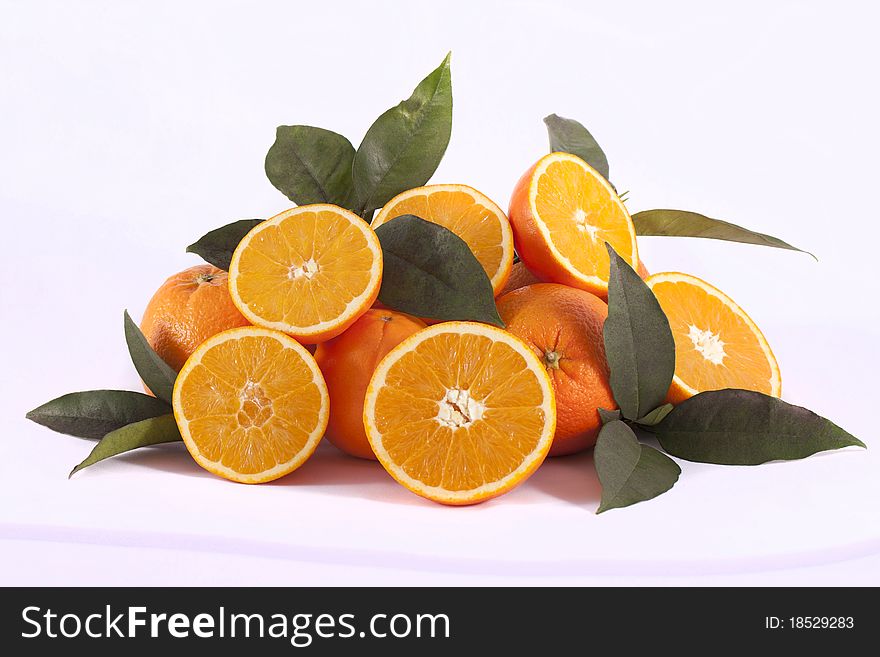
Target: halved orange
(469, 214)
(562, 212)
(251, 404)
(310, 271)
(717, 345)
(460, 412)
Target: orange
(466, 212)
(717, 345)
(310, 272)
(460, 412)
(189, 308)
(251, 404)
(562, 212)
(563, 327)
(520, 276)
(347, 363)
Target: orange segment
(460, 412)
(562, 212)
(251, 404)
(717, 345)
(310, 271)
(469, 214)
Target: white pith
(279, 469)
(486, 490)
(351, 309)
(306, 269)
(540, 169)
(458, 409)
(708, 344)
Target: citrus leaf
(429, 271)
(629, 471)
(681, 223)
(310, 165)
(155, 372)
(94, 413)
(608, 416)
(656, 416)
(216, 246)
(153, 431)
(741, 427)
(638, 342)
(569, 136)
(404, 146)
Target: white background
(129, 129)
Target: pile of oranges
(291, 345)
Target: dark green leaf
(681, 223)
(740, 427)
(608, 416)
(311, 165)
(656, 416)
(404, 146)
(216, 246)
(155, 372)
(569, 136)
(429, 271)
(638, 342)
(155, 430)
(94, 413)
(629, 471)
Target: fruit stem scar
(551, 360)
(204, 278)
(458, 409)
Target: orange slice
(310, 271)
(460, 412)
(469, 214)
(251, 404)
(716, 344)
(562, 212)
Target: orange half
(310, 271)
(562, 212)
(469, 214)
(460, 412)
(717, 345)
(251, 404)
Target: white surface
(129, 129)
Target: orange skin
(564, 327)
(520, 276)
(190, 307)
(536, 256)
(348, 362)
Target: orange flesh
(251, 404)
(484, 450)
(305, 270)
(744, 364)
(581, 214)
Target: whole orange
(564, 327)
(347, 363)
(189, 308)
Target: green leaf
(311, 165)
(429, 271)
(569, 136)
(629, 471)
(681, 223)
(94, 413)
(656, 416)
(217, 246)
(741, 427)
(404, 146)
(155, 372)
(608, 416)
(638, 342)
(155, 430)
